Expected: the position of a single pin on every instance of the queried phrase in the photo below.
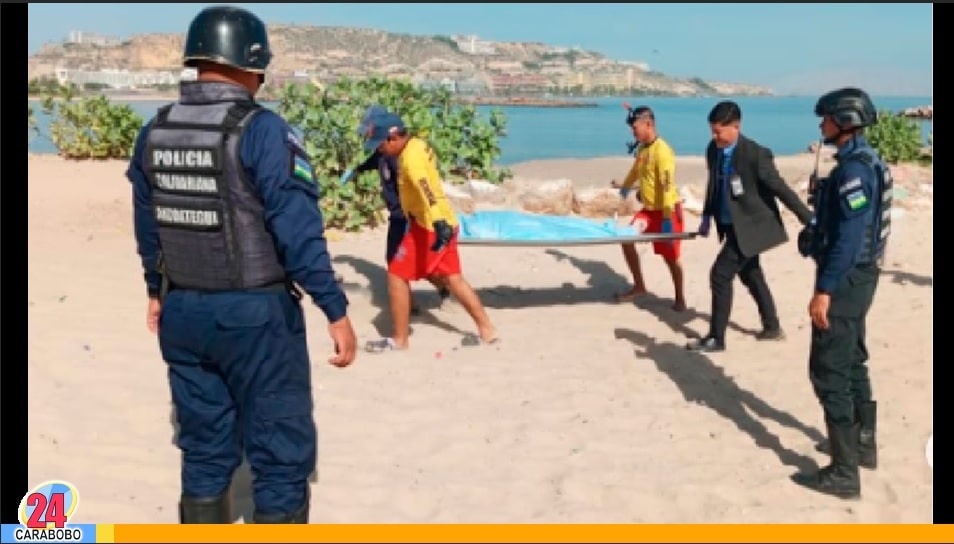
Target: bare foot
(384, 344)
(488, 335)
(631, 294)
(471, 340)
(679, 306)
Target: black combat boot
(867, 415)
(205, 509)
(867, 446)
(298, 516)
(840, 478)
(301, 516)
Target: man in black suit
(741, 197)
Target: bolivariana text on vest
(186, 182)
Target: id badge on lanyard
(735, 185)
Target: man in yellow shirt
(429, 247)
(654, 170)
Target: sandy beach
(588, 411)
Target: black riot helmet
(228, 35)
(849, 107)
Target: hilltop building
(88, 38)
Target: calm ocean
(785, 124)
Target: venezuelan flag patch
(856, 200)
(302, 170)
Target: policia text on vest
(181, 170)
(187, 171)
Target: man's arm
(278, 169)
(769, 176)
(144, 220)
(855, 195)
(630, 178)
(666, 178)
(370, 163)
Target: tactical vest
(878, 218)
(878, 224)
(211, 223)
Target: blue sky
(793, 48)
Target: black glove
(806, 240)
(444, 234)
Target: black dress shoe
(771, 334)
(708, 344)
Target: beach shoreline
(540, 102)
(587, 411)
(599, 171)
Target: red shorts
(414, 259)
(654, 219)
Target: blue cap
(371, 112)
(379, 126)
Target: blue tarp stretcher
(511, 228)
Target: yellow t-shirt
(419, 186)
(655, 169)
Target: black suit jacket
(755, 214)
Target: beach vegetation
(90, 127)
(466, 144)
(47, 85)
(896, 138)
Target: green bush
(91, 128)
(32, 128)
(47, 85)
(895, 137)
(466, 145)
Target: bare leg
(675, 270)
(399, 292)
(439, 283)
(632, 261)
(468, 298)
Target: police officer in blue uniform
(847, 240)
(387, 168)
(226, 223)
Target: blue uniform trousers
(241, 382)
(837, 363)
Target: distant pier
(920, 112)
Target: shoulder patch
(856, 200)
(293, 139)
(295, 143)
(301, 169)
(853, 183)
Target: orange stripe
(534, 533)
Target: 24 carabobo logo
(45, 511)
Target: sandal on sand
(380, 346)
(471, 340)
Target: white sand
(587, 411)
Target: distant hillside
(472, 65)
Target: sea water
(786, 124)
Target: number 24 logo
(49, 510)
(49, 505)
